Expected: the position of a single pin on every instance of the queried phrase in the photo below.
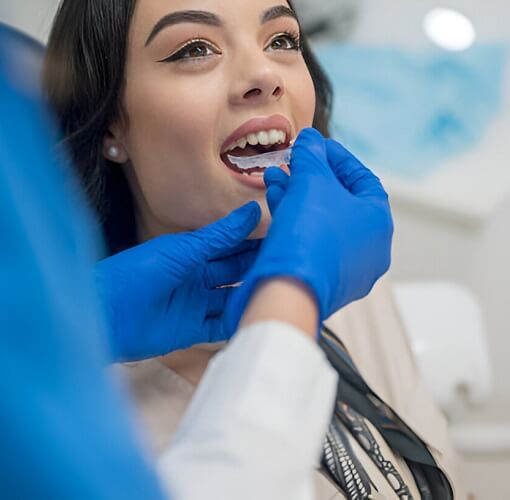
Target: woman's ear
(113, 148)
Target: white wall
(31, 16)
(400, 21)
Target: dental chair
(444, 322)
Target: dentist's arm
(329, 242)
(256, 424)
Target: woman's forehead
(230, 13)
(239, 7)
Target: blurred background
(422, 96)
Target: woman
(152, 96)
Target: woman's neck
(189, 364)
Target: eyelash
(293, 36)
(180, 55)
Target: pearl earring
(113, 152)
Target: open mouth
(255, 144)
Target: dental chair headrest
(22, 56)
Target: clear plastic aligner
(272, 158)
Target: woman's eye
(193, 50)
(285, 41)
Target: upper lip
(258, 124)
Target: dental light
(449, 29)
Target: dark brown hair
(84, 76)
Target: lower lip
(253, 181)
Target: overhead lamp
(449, 29)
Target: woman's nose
(257, 85)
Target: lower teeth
(254, 174)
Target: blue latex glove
(162, 295)
(331, 230)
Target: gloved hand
(161, 296)
(331, 230)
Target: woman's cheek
(261, 230)
(304, 99)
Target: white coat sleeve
(255, 427)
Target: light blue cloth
(65, 427)
(406, 111)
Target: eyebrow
(210, 19)
(276, 12)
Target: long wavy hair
(84, 81)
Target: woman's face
(202, 75)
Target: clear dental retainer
(272, 158)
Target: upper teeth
(263, 137)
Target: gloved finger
(275, 176)
(276, 181)
(309, 154)
(217, 301)
(228, 270)
(216, 330)
(225, 234)
(358, 179)
(245, 246)
(274, 195)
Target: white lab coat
(374, 336)
(253, 432)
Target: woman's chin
(261, 231)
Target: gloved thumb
(274, 195)
(227, 233)
(309, 155)
(354, 176)
(276, 181)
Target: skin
(284, 300)
(180, 113)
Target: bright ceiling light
(449, 29)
